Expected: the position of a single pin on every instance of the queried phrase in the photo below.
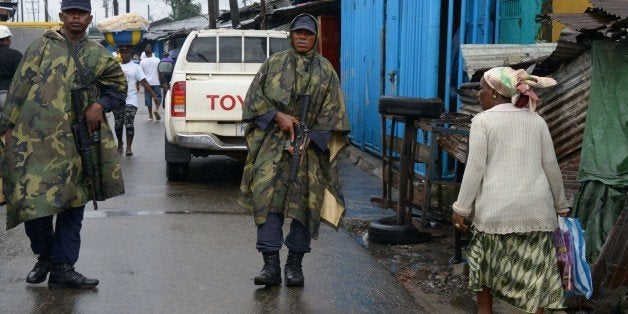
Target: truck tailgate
(216, 97)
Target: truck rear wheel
(177, 171)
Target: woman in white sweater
(511, 191)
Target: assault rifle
(300, 138)
(91, 171)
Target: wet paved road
(187, 248)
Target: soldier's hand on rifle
(302, 148)
(286, 123)
(93, 115)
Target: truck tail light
(177, 103)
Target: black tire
(429, 108)
(386, 231)
(177, 171)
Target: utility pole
(128, 6)
(33, 7)
(148, 13)
(115, 7)
(212, 11)
(46, 16)
(22, 10)
(263, 13)
(105, 4)
(235, 14)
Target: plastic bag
(562, 242)
(581, 273)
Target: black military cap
(84, 5)
(305, 21)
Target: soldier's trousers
(61, 243)
(270, 235)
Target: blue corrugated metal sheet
(409, 32)
(361, 64)
(391, 47)
(419, 28)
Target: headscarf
(515, 83)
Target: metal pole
(46, 15)
(212, 12)
(33, 7)
(498, 20)
(263, 24)
(115, 7)
(462, 39)
(128, 6)
(448, 61)
(235, 13)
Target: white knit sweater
(512, 182)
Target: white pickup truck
(203, 108)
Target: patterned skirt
(519, 268)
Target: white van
(203, 108)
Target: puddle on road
(126, 213)
(423, 269)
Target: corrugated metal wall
(419, 30)
(407, 67)
(391, 47)
(361, 65)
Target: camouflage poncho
(41, 167)
(281, 78)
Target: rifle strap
(73, 48)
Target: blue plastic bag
(564, 255)
(582, 283)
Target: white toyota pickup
(210, 78)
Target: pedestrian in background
(271, 105)
(9, 59)
(150, 66)
(42, 168)
(512, 190)
(124, 117)
(166, 65)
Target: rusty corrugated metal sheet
(617, 8)
(606, 18)
(477, 57)
(563, 107)
(578, 21)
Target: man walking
(42, 169)
(150, 66)
(9, 59)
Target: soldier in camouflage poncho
(271, 106)
(41, 167)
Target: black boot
(63, 275)
(40, 271)
(271, 272)
(293, 271)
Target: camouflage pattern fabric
(280, 80)
(41, 167)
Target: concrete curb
(366, 162)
